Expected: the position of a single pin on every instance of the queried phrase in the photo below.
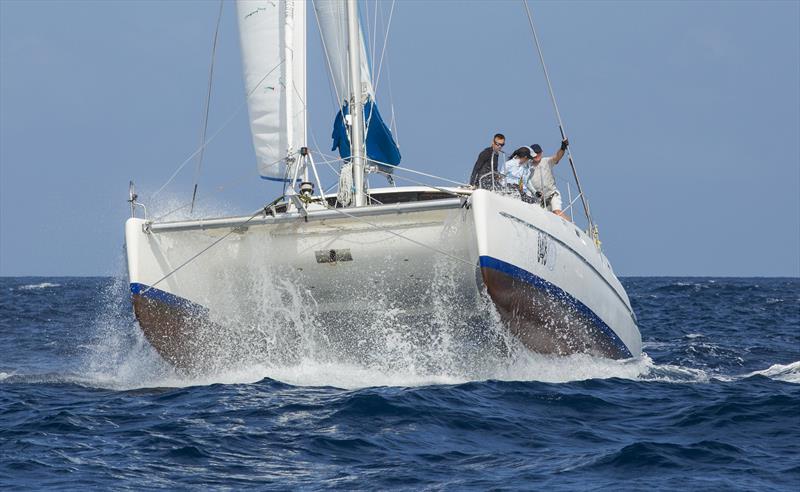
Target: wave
(138, 372)
(43, 285)
(789, 373)
(141, 370)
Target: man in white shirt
(540, 181)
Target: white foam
(669, 373)
(143, 370)
(789, 372)
(290, 350)
(43, 285)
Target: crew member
(484, 173)
(517, 169)
(540, 181)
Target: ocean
(713, 404)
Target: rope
(208, 106)
(345, 195)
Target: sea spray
(269, 330)
(269, 327)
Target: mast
(356, 102)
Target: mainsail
(381, 146)
(273, 42)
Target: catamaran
(338, 261)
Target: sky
(684, 119)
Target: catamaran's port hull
(552, 289)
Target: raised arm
(561, 151)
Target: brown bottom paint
(543, 323)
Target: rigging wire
(383, 50)
(592, 228)
(372, 33)
(437, 188)
(208, 106)
(459, 183)
(247, 177)
(414, 241)
(219, 240)
(219, 189)
(393, 120)
(374, 36)
(327, 59)
(213, 136)
(380, 66)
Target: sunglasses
(499, 144)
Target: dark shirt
(483, 166)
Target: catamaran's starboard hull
(553, 287)
(422, 263)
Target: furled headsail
(273, 43)
(380, 143)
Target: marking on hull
(567, 246)
(558, 293)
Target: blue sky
(684, 119)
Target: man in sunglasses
(488, 164)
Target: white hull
(342, 269)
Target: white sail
(332, 18)
(273, 42)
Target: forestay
(381, 146)
(273, 42)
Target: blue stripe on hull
(557, 293)
(162, 296)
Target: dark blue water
(714, 404)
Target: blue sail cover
(381, 146)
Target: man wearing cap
(541, 183)
(483, 173)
